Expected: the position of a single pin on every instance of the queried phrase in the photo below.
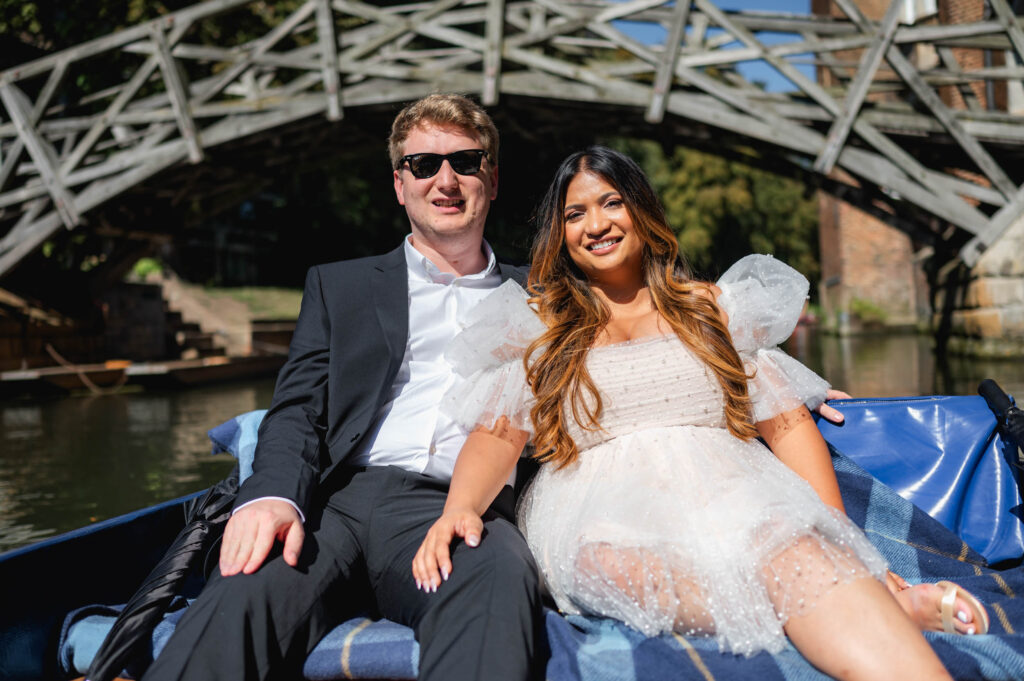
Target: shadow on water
(68, 462)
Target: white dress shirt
(409, 430)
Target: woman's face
(599, 233)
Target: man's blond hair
(443, 110)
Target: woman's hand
(831, 413)
(432, 562)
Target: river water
(65, 463)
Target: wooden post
(494, 36)
(667, 65)
(43, 155)
(328, 44)
(176, 91)
(869, 63)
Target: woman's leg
(636, 584)
(852, 629)
(858, 631)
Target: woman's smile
(604, 246)
(599, 232)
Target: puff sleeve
(764, 298)
(487, 359)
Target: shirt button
(433, 449)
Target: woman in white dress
(644, 390)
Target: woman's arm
(485, 462)
(796, 441)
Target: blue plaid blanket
(588, 649)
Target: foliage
(33, 28)
(723, 209)
(146, 266)
(869, 313)
(263, 302)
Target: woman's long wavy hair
(575, 315)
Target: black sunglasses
(464, 162)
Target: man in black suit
(354, 457)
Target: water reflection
(892, 366)
(68, 462)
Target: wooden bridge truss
(876, 123)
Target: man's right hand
(252, 531)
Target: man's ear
(494, 183)
(399, 186)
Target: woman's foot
(924, 604)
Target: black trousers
(485, 622)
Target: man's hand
(252, 531)
(432, 563)
(828, 413)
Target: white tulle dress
(666, 521)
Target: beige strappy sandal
(949, 602)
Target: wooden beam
(179, 98)
(869, 63)
(997, 226)
(949, 59)
(666, 67)
(260, 46)
(395, 26)
(494, 35)
(868, 133)
(909, 74)
(328, 44)
(118, 39)
(103, 121)
(7, 166)
(967, 142)
(43, 155)
(1011, 24)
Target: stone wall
(988, 319)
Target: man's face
(447, 205)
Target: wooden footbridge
(865, 114)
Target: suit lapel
(391, 300)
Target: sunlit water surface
(68, 462)
(65, 463)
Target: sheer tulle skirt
(691, 530)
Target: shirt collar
(421, 268)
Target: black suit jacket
(347, 349)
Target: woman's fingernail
(444, 574)
(970, 630)
(962, 616)
(433, 588)
(418, 585)
(472, 540)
